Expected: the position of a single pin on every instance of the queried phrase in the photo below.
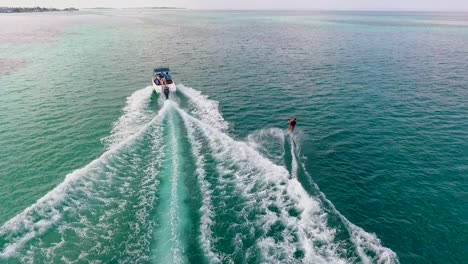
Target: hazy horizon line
(260, 9)
(286, 9)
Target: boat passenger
(168, 76)
(163, 78)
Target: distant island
(33, 9)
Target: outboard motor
(166, 92)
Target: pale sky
(432, 5)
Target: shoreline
(10, 10)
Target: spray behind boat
(163, 82)
(166, 91)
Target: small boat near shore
(162, 82)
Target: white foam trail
(204, 109)
(270, 143)
(254, 171)
(287, 194)
(146, 194)
(361, 239)
(47, 208)
(259, 183)
(136, 114)
(207, 214)
(293, 157)
(169, 246)
(175, 221)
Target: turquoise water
(94, 167)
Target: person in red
(292, 124)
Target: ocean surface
(96, 168)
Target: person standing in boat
(292, 124)
(163, 78)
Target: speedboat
(162, 82)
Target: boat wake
(174, 187)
